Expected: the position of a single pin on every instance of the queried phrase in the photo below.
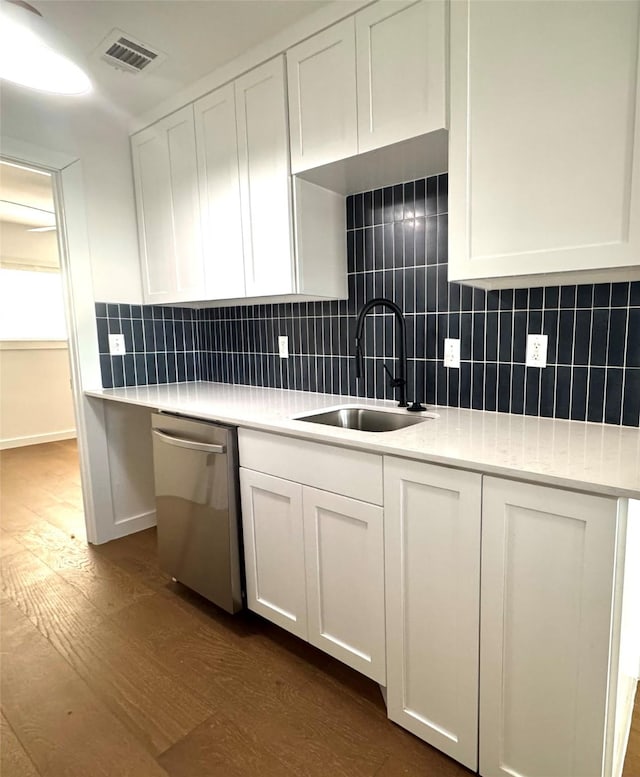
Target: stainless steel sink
(364, 419)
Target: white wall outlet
(536, 350)
(451, 352)
(116, 345)
(283, 346)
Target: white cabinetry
(432, 553)
(274, 550)
(401, 66)
(322, 97)
(264, 180)
(219, 179)
(544, 175)
(166, 182)
(315, 559)
(547, 635)
(373, 80)
(223, 180)
(515, 589)
(344, 560)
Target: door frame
(77, 283)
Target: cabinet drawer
(342, 471)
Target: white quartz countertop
(598, 458)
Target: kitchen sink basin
(363, 419)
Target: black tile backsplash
(397, 248)
(162, 344)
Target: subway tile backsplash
(162, 344)
(397, 248)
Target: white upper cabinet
(371, 81)
(401, 66)
(219, 179)
(217, 213)
(322, 97)
(167, 202)
(263, 144)
(544, 175)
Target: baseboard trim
(37, 439)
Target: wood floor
(108, 668)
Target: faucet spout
(400, 380)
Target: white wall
(91, 130)
(36, 404)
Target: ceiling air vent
(124, 52)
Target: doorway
(36, 399)
(41, 402)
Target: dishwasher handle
(189, 444)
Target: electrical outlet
(451, 352)
(536, 350)
(116, 345)
(283, 346)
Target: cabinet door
(274, 550)
(219, 178)
(263, 145)
(432, 552)
(167, 201)
(544, 172)
(322, 97)
(344, 557)
(547, 577)
(401, 70)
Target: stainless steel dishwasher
(197, 505)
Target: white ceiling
(197, 35)
(26, 197)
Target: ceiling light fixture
(43, 229)
(28, 54)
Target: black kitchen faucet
(398, 381)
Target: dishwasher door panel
(196, 504)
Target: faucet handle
(393, 381)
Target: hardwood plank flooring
(62, 725)
(109, 668)
(14, 762)
(632, 760)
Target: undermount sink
(363, 419)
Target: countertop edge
(291, 428)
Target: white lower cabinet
(548, 572)
(274, 550)
(432, 544)
(344, 558)
(497, 605)
(513, 589)
(315, 566)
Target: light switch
(283, 346)
(116, 345)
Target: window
(31, 305)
